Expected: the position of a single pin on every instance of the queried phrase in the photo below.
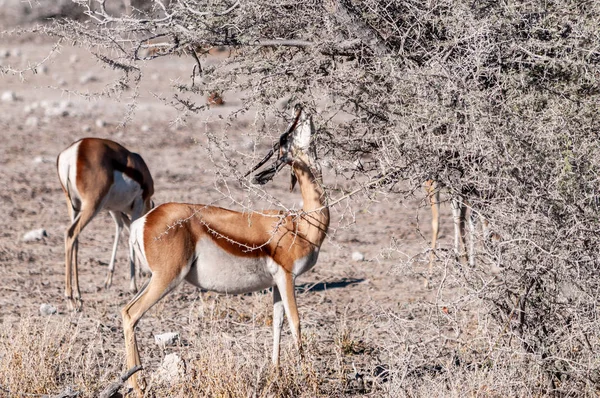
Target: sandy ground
(47, 115)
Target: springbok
(226, 251)
(459, 212)
(98, 174)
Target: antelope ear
(293, 182)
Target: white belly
(219, 271)
(122, 193)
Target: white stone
(171, 369)
(145, 128)
(4, 53)
(358, 256)
(56, 111)
(73, 59)
(47, 309)
(36, 234)
(166, 338)
(86, 128)
(9, 96)
(100, 123)
(43, 69)
(88, 78)
(32, 121)
(16, 52)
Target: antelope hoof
(133, 287)
(138, 385)
(108, 281)
(75, 304)
(426, 283)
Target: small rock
(145, 128)
(171, 368)
(42, 69)
(4, 53)
(41, 159)
(100, 123)
(56, 111)
(16, 52)
(36, 234)
(74, 59)
(358, 256)
(32, 121)
(166, 338)
(88, 78)
(48, 309)
(9, 96)
(86, 128)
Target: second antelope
(459, 212)
(231, 252)
(98, 174)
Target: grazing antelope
(231, 252)
(98, 174)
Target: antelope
(459, 211)
(98, 174)
(232, 252)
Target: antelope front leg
(278, 312)
(285, 285)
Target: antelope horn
(278, 164)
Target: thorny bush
(495, 100)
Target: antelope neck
(314, 205)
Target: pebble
(171, 369)
(32, 121)
(166, 338)
(88, 78)
(358, 256)
(36, 234)
(48, 309)
(9, 96)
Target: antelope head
(295, 145)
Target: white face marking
(303, 132)
(122, 193)
(221, 272)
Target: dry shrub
(497, 101)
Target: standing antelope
(98, 174)
(230, 252)
(459, 211)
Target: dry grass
(225, 345)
